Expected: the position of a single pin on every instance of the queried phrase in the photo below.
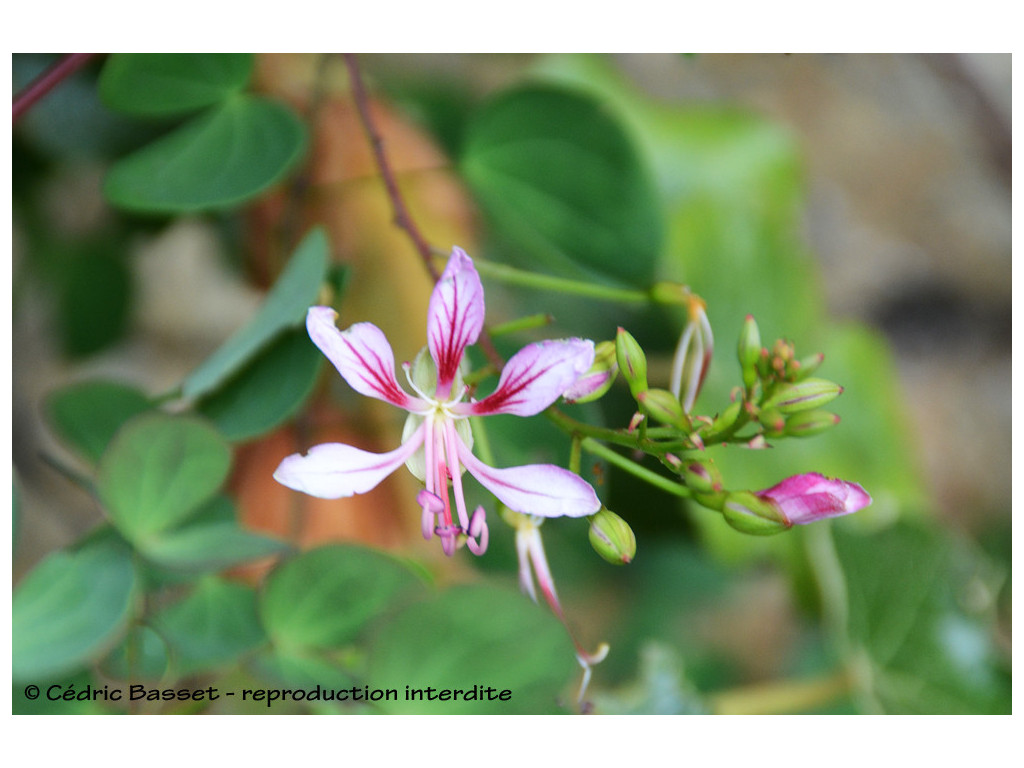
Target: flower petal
(535, 377)
(810, 497)
(361, 354)
(455, 317)
(335, 470)
(535, 489)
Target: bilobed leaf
(562, 182)
(160, 84)
(468, 636)
(268, 390)
(88, 414)
(212, 540)
(216, 160)
(285, 307)
(71, 608)
(326, 597)
(906, 620)
(158, 471)
(212, 626)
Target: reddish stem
(47, 81)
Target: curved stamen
(477, 541)
(432, 507)
(449, 535)
(455, 469)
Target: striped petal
(335, 470)
(455, 317)
(535, 489)
(810, 497)
(535, 377)
(362, 356)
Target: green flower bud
(612, 538)
(805, 366)
(772, 420)
(727, 418)
(662, 405)
(632, 361)
(749, 513)
(701, 475)
(807, 423)
(749, 351)
(803, 395)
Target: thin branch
(47, 81)
(402, 217)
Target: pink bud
(811, 497)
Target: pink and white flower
(532, 380)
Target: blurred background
(905, 189)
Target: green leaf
(71, 608)
(285, 307)
(88, 414)
(468, 636)
(562, 181)
(211, 541)
(302, 670)
(214, 161)
(326, 597)
(918, 641)
(158, 471)
(159, 84)
(212, 627)
(268, 391)
(92, 312)
(142, 655)
(660, 689)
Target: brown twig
(47, 81)
(402, 217)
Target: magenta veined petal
(535, 489)
(535, 377)
(455, 317)
(811, 496)
(336, 470)
(362, 355)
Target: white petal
(335, 470)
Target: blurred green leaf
(560, 179)
(216, 160)
(142, 655)
(86, 415)
(158, 471)
(475, 635)
(660, 689)
(93, 303)
(268, 391)
(160, 84)
(918, 624)
(210, 628)
(302, 670)
(325, 597)
(212, 540)
(70, 608)
(43, 705)
(285, 307)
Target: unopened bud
(632, 361)
(662, 405)
(701, 475)
(598, 380)
(749, 513)
(772, 420)
(749, 351)
(693, 353)
(805, 366)
(727, 418)
(803, 395)
(612, 538)
(807, 423)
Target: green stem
(525, 279)
(521, 324)
(782, 698)
(582, 429)
(595, 448)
